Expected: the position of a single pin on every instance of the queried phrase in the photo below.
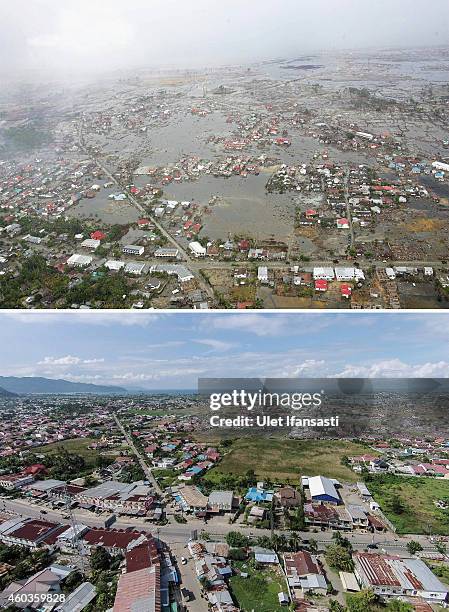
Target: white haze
(84, 36)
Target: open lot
(409, 502)
(78, 446)
(281, 459)
(259, 590)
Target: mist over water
(58, 39)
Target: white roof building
(391, 575)
(323, 489)
(179, 270)
(323, 274)
(440, 166)
(114, 265)
(89, 243)
(134, 267)
(79, 260)
(197, 249)
(262, 274)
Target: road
(180, 533)
(143, 464)
(203, 283)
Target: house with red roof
(321, 285)
(98, 235)
(342, 223)
(345, 290)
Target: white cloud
(68, 360)
(87, 317)
(259, 324)
(219, 346)
(392, 368)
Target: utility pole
(77, 542)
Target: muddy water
(441, 190)
(106, 210)
(184, 136)
(244, 207)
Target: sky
(98, 35)
(171, 351)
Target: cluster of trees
(24, 562)
(64, 465)
(34, 277)
(367, 601)
(339, 553)
(104, 576)
(278, 542)
(131, 473)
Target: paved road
(143, 464)
(204, 284)
(189, 578)
(179, 533)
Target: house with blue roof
(257, 495)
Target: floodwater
(244, 207)
(106, 210)
(185, 135)
(439, 189)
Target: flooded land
(263, 180)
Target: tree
(235, 539)
(339, 558)
(341, 541)
(313, 546)
(397, 605)
(396, 505)
(363, 601)
(237, 554)
(413, 547)
(100, 559)
(441, 547)
(335, 606)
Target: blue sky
(154, 351)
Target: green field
(441, 570)
(282, 460)
(78, 446)
(259, 591)
(416, 512)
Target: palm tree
(313, 546)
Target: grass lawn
(281, 459)
(259, 591)
(78, 446)
(441, 570)
(417, 495)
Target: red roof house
(98, 235)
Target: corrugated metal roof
(320, 485)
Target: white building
(114, 265)
(323, 274)
(79, 261)
(166, 252)
(90, 243)
(134, 267)
(262, 274)
(393, 576)
(391, 274)
(133, 249)
(345, 274)
(440, 166)
(322, 489)
(197, 249)
(32, 239)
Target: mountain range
(39, 385)
(5, 393)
